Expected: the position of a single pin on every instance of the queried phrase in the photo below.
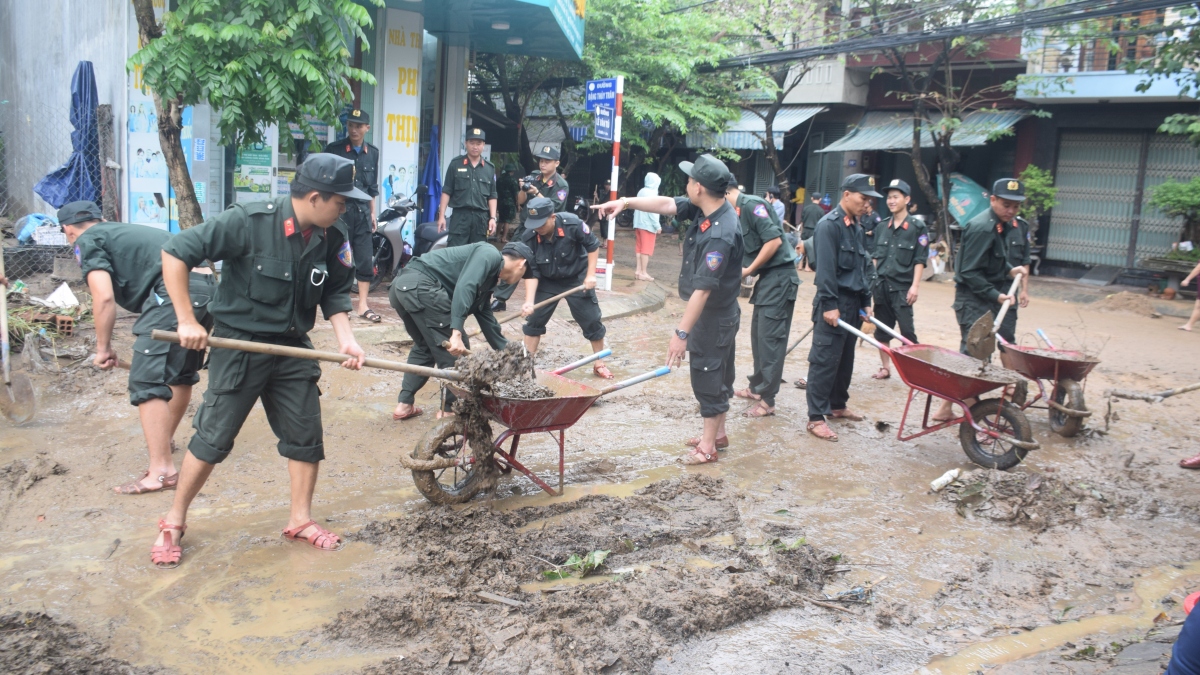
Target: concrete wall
(41, 42)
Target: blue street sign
(604, 122)
(600, 92)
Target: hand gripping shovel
(981, 339)
(17, 400)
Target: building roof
(880, 130)
(747, 133)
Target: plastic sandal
(320, 538)
(722, 442)
(602, 371)
(695, 456)
(135, 487)
(167, 556)
(415, 412)
(846, 414)
(822, 431)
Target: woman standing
(646, 227)
(1195, 309)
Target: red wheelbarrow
(1066, 369)
(446, 440)
(994, 433)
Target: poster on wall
(254, 173)
(399, 126)
(147, 183)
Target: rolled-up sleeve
(710, 264)
(335, 297)
(225, 235)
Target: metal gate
(1104, 182)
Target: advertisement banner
(148, 186)
(399, 125)
(254, 173)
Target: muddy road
(1076, 561)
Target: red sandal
(319, 538)
(600, 370)
(698, 456)
(167, 556)
(722, 442)
(822, 431)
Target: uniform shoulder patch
(585, 228)
(713, 259)
(923, 240)
(562, 195)
(78, 256)
(760, 210)
(345, 255)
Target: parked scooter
(389, 238)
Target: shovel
(17, 400)
(981, 339)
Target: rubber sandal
(135, 487)
(822, 431)
(885, 374)
(695, 456)
(758, 411)
(846, 414)
(722, 442)
(801, 383)
(746, 393)
(371, 316)
(601, 370)
(167, 556)
(320, 538)
(415, 412)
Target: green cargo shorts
(237, 380)
(157, 366)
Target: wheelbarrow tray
(525, 415)
(943, 372)
(1042, 364)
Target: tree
(1181, 200)
(1174, 59)
(1040, 194)
(256, 62)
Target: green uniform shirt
(271, 280)
(366, 163)
(983, 257)
(712, 252)
(760, 224)
(563, 252)
(131, 254)
(843, 265)
(898, 250)
(470, 187)
(1020, 241)
(556, 190)
(469, 273)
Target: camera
(530, 181)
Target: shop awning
(893, 131)
(748, 132)
(549, 28)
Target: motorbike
(388, 238)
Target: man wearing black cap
(549, 185)
(360, 215)
(901, 249)
(844, 279)
(436, 293)
(122, 265)
(1020, 254)
(564, 256)
(709, 280)
(281, 259)
(469, 189)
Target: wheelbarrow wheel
(1069, 395)
(454, 485)
(1004, 418)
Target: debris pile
(1032, 500)
(507, 372)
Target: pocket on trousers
(706, 364)
(727, 332)
(227, 370)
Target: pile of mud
(507, 372)
(21, 474)
(1079, 357)
(1031, 500)
(33, 642)
(678, 567)
(1125, 301)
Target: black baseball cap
(476, 134)
(329, 173)
(860, 183)
(538, 210)
(521, 250)
(74, 213)
(709, 172)
(547, 152)
(1010, 189)
(359, 116)
(900, 185)
(773, 191)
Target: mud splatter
(507, 372)
(33, 642)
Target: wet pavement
(950, 594)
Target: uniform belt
(272, 338)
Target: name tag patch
(760, 210)
(345, 255)
(714, 259)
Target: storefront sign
(399, 124)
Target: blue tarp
(431, 176)
(79, 178)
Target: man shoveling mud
(122, 265)
(436, 293)
(709, 281)
(281, 259)
(984, 268)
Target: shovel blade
(981, 339)
(17, 399)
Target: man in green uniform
(1020, 245)
(436, 293)
(844, 279)
(281, 258)
(709, 280)
(470, 189)
(549, 185)
(122, 265)
(984, 269)
(564, 255)
(901, 249)
(766, 254)
(809, 216)
(360, 218)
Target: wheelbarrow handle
(1042, 334)
(310, 354)
(1012, 290)
(885, 327)
(664, 370)
(851, 329)
(505, 318)
(584, 361)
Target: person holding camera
(546, 182)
